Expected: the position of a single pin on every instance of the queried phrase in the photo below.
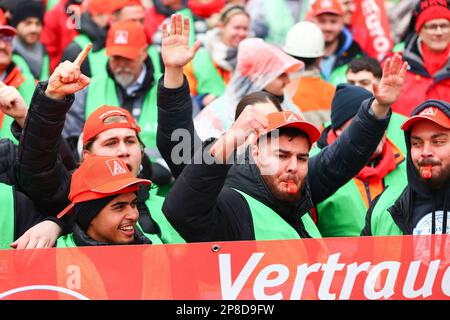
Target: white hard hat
(305, 40)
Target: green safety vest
(399, 47)
(268, 225)
(6, 216)
(208, 78)
(280, 20)
(168, 233)
(381, 221)
(344, 213)
(97, 60)
(51, 4)
(69, 242)
(26, 89)
(24, 67)
(102, 90)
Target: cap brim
(311, 130)
(411, 121)
(118, 185)
(131, 53)
(8, 30)
(67, 210)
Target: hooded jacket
(408, 211)
(203, 205)
(419, 81)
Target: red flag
(371, 28)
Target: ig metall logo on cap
(121, 37)
(116, 167)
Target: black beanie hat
(346, 103)
(88, 210)
(27, 9)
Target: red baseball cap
(97, 7)
(120, 4)
(126, 39)
(8, 30)
(282, 119)
(98, 122)
(326, 6)
(99, 177)
(431, 113)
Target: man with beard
(130, 82)
(29, 53)
(422, 207)
(340, 48)
(213, 200)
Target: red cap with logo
(120, 4)
(8, 30)
(105, 118)
(99, 177)
(431, 113)
(427, 10)
(282, 119)
(126, 39)
(98, 7)
(326, 6)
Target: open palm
(175, 47)
(391, 84)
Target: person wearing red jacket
(428, 56)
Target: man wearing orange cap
(422, 207)
(103, 195)
(270, 198)
(109, 131)
(340, 48)
(130, 82)
(428, 54)
(11, 75)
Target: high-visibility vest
(97, 60)
(268, 225)
(25, 68)
(6, 216)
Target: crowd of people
(163, 122)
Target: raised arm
(336, 164)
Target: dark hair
(366, 63)
(254, 98)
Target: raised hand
(12, 103)
(175, 47)
(67, 77)
(391, 84)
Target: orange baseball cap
(126, 39)
(97, 122)
(97, 7)
(431, 113)
(326, 6)
(119, 4)
(99, 177)
(282, 119)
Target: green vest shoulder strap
(45, 70)
(206, 74)
(381, 221)
(168, 233)
(66, 241)
(395, 133)
(97, 60)
(51, 4)
(25, 68)
(339, 75)
(269, 225)
(6, 216)
(399, 47)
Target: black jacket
(41, 172)
(202, 204)
(97, 36)
(8, 152)
(418, 199)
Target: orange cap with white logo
(126, 39)
(431, 113)
(99, 177)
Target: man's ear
(85, 153)
(255, 153)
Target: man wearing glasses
(428, 56)
(11, 75)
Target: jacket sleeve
(175, 122)
(40, 171)
(337, 163)
(7, 157)
(200, 208)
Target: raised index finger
(83, 54)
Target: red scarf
(434, 61)
(384, 166)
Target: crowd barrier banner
(372, 30)
(408, 267)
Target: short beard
(436, 183)
(125, 79)
(279, 195)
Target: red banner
(371, 28)
(333, 268)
